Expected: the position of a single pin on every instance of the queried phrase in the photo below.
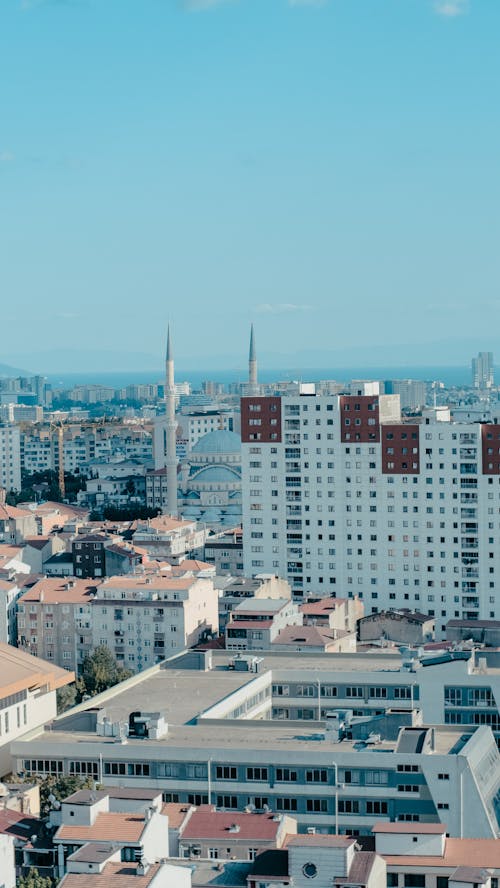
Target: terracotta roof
(19, 670)
(206, 823)
(7, 512)
(38, 542)
(323, 607)
(458, 852)
(114, 875)
(57, 590)
(176, 813)
(13, 823)
(360, 869)
(93, 852)
(151, 582)
(412, 828)
(121, 828)
(191, 564)
(307, 635)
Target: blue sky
(328, 170)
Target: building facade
(342, 497)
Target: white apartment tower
(171, 456)
(343, 498)
(482, 370)
(10, 457)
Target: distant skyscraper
(171, 460)
(482, 370)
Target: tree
(33, 879)
(60, 788)
(66, 698)
(100, 671)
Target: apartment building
(54, 620)
(342, 497)
(10, 457)
(272, 740)
(170, 538)
(255, 623)
(143, 620)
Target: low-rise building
(424, 854)
(256, 622)
(277, 736)
(401, 626)
(333, 613)
(234, 589)
(27, 696)
(170, 539)
(131, 830)
(222, 835)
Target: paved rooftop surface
(182, 695)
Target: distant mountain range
(7, 370)
(445, 352)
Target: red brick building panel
(261, 420)
(400, 449)
(359, 419)
(490, 446)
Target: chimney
(3, 494)
(142, 867)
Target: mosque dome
(216, 475)
(221, 441)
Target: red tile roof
(206, 823)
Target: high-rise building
(343, 498)
(10, 457)
(482, 370)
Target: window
(376, 807)
(317, 775)
(256, 773)
(317, 805)
(286, 774)
(225, 773)
(414, 880)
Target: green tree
(66, 698)
(100, 671)
(60, 788)
(33, 879)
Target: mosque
(206, 485)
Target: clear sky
(328, 170)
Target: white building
(143, 620)
(483, 370)
(27, 696)
(10, 457)
(270, 737)
(343, 498)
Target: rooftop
(114, 827)
(114, 875)
(20, 670)
(57, 590)
(207, 823)
(183, 694)
(458, 852)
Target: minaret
(171, 426)
(253, 386)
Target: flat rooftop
(182, 695)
